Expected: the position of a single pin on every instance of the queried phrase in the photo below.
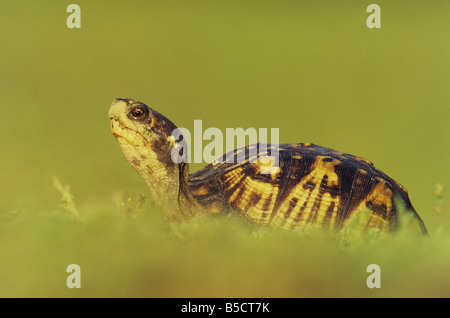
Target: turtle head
(146, 139)
(143, 133)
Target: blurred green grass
(315, 71)
(135, 255)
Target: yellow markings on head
(116, 128)
(171, 139)
(122, 134)
(117, 109)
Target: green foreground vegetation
(312, 69)
(125, 250)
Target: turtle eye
(138, 112)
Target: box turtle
(308, 184)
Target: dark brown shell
(310, 185)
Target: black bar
(303, 307)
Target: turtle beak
(118, 107)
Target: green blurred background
(312, 69)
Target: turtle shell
(308, 184)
